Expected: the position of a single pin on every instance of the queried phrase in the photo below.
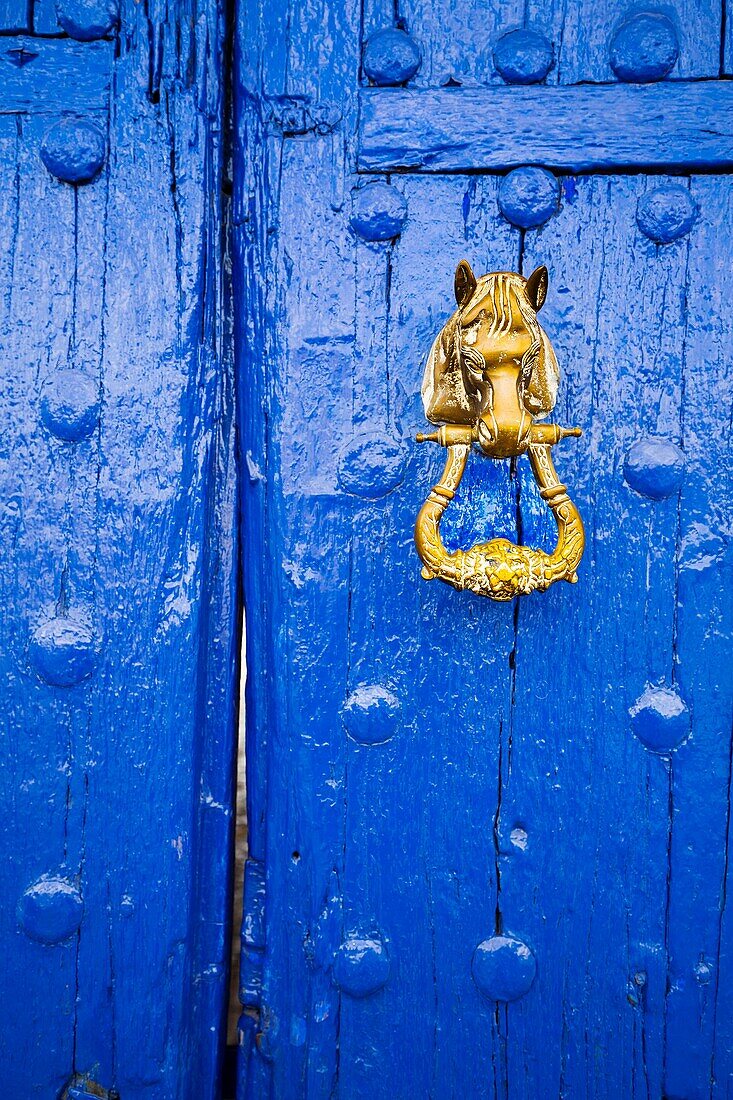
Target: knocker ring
(490, 374)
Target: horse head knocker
(490, 377)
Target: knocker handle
(499, 568)
(490, 379)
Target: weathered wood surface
(440, 769)
(118, 580)
(62, 76)
(457, 41)
(609, 128)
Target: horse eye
(474, 364)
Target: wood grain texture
(577, 766)
(457, 40)
(290, 487)
(510, 794)
(614, 127)
(698, 1024)
(61, 76)
(118, 786)
(582, 34)
(506, 791)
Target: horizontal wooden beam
(602, 127)
(49, 75)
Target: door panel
(441, 769)
(119, 572)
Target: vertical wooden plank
(165, 514)
(122, 535)
(254, 213)
(309, 593)
(590, 798)
(39, 719)
(300, 283)
(404, 812)
(15, 16)
(92, 1022)
(696, 1059)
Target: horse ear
(536, 288)
(465, 283)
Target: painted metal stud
(503, 968)
(390, 57)
(70, 405)
(666, 213)
(371, 714)
(523, 56)
(379, 211)
(361, 965)
(371, 465)
(528, 197)
(660, 719)
(73, 150)
(86, 20)
(655, 468)
(50, 910)
(63, 651)
(644, 48)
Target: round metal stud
(371, 465)
(86, 20)
(50, 910)
(655, 468)
(70, 405)
(644, 48)
(666, 213)
(391, 57)
(371, 714)
(361, 965)
(528, 197)
(523, 57)
(660, 719)
(73, 151)
(379, 212)
(63, 651)
(503, 968)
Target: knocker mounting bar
(490, 377)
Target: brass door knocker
(490, 376)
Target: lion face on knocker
(494, 329)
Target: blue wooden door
(488, 842)
(116, 515)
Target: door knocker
(490, 377)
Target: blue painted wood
(458, 42)
(553, 774)
(433, 774)
(606, 128)
(15, 15)
(699, 903)
(119, 642)
(47, 75)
